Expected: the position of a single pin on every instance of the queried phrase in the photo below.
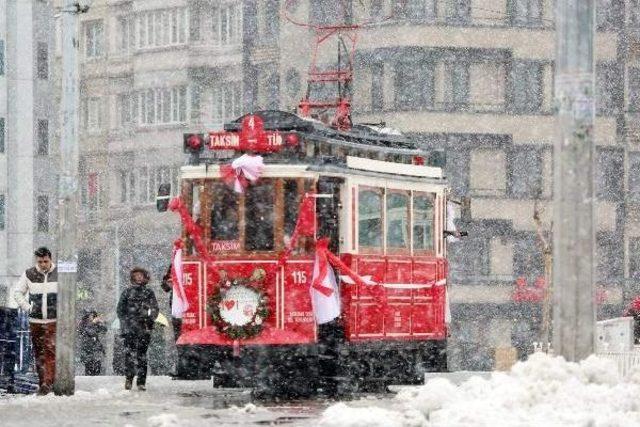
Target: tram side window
(259, 216)
(423, 222)
(370, 218)
(397, 220)
(224, 214)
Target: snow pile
(341, 415)
(543, 391)
(164, 420)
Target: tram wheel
(288, 376)
(191, 365)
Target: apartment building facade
(28, 179)
(472, 77)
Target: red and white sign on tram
(251, 137)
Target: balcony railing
(476, 16)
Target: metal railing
(627, 361)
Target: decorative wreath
(239, 307)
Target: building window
(327, 12)
(528, 260)
(634, 89)
(488, 172)
(43, 137)
(526, 13)
(90, 193)
(2, 212)
(93, 114)
(471, 260)
(42, 61)
(459, 11)
(634, 177)
(125, 35)
(609, 164)
(162, 28)
(1, 57)
(609, 93)
(42, 214)
(456, 85)
(226, 24)
(147, 187)
(127, 109)
(487, 83)
(94, 39)
(163, 105)
(2, 134)
(292, 82)
(634, 13)
(227, 102)
(195, 22)
(634, 258)
(609, 256)
(376, 9)
(268, 20)
(377, 87)
(414, 85)
(417, 9)
(527, 87)
(127, 185)
(609, 14)
(525, 173)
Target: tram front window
(259, 216)
(224, 215)
(397, 220)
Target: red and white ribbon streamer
(242, 171)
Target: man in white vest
(40, 283)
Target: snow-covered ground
(166, 403)
(544, 391)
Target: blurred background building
(28, 178)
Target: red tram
(303, 204)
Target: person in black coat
(137, 310)
(90, 332)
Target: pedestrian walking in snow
(40, 283)
(90, 333)
(137, 311)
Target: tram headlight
(193, 143)
(292, 139)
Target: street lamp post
(68, 203)
(573, 204)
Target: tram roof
(322, 145)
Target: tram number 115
(299, 277)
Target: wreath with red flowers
(239, 307)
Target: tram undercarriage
(331, 367)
